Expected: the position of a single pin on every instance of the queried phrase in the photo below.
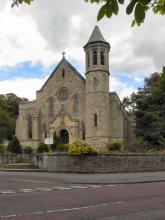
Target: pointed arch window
(95, 119)
(102, 58)
(51, 106)
(30, 127)
(95, 57)
(63, 73)
(75, 104)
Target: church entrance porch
(64, 135)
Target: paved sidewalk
(108, 178)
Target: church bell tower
(97, 90)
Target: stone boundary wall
(15, 158)
(103, 163)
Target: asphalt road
(40, 196)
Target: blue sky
(32, 39)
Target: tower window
(63, 73)
(95, 83)
(75, 104)
(30, 125)
(95, 119)
(102, 58)
(51, 106)
(94, 57)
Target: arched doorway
(64, 135)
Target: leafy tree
(14, 146)
(148, 106)
(109, 7)
(9, 106)
(138, 7)
(7, 125)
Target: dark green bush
(62, 147)
(1, 148)
(138, 145)
(115, 146)
(28, 150)
(42, 148)
(14, 146)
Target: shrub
(14, 146)
(81, 148)
(62, 147)
(115, 146)
(42, 148)
(28, 150)
(138, 145)
(1, 148)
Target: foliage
(7, 125)
(79, 148)
(115, 146)
(17, 2)
(148, 107)
(138, 145)
(62, 147)
(56, 139)
(9, 105)
(2, 148)
(42, 147)
(14, 146)
(137, 7)
(28, 150)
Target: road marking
(64, 188)
(63, 210)
(8, 216)
(38, 213)
(61, 188)
(55, 188)
(44, 189)
(79, 187)
(26, 190)
(95, 186)
(111, 185)
(7, 191)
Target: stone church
(76, 107)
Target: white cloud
(20, 40)
(122, 89)
(40, 32)
(22, 87)
(27, 87)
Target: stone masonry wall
(104, 163)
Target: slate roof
(96, 35)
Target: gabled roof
(63, 60)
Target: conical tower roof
(96, 36)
